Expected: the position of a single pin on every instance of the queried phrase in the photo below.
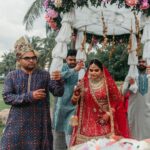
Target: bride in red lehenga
(100, 111)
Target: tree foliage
(33, 13)
(116, 64)
(8, 63)
(43, 45)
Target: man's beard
(29, 68)
(142, 68)
(71, 65)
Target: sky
(12, 13)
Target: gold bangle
(75, 98)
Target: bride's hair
(97, 63)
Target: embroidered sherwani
(28, 126)
(138, 109)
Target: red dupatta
(88, 113)
(116, 102)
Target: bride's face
(95, 72)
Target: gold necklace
(96, 84)
(94, 97)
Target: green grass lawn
(1, 99)
(1, 129)
(2, 104)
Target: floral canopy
(120, 9)
(97, 17)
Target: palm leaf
(33, 13)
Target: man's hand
(79, 66)
(79, 85)
(39, 94)
(56, 75)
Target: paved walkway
(3, 115)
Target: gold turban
(22, 46)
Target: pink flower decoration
(145, 4)
(97, 147)
(110, 143)
(46, 4)
(52, 13)
(47, 18)
(122, 145)
(51, 22)
(53, 25)
(129, 148)
(147, 140)
(131, 2)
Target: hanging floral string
(73, 39)
(138, 33)
(105, 40)
(91, 44)
(130, 39)
(113, 46)
(83, 42)
(58, 3)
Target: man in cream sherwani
(139, 102)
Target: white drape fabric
(81, 55)
(63, 38)
(118, 20)
(79, 40)
(133, 59)
(146, 39)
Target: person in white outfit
(139, 102)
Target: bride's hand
(106, 116)
(116, 137)
(79, 85)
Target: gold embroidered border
(110, 110)
(82, 138)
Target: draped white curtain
(63, 38)
(146, 39)
(133, 59)
(81, 55)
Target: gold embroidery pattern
(110, 110)
(82, 138)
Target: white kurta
(138, 111)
